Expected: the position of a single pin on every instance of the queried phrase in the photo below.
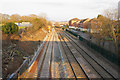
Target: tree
(4, 18)
(25, 18)
(111, 13)
(109, 24)
(39, 23)
(10, 28)
(49, 23)
(32, 17)
(15, 18)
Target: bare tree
(111, 13)
(109, 23)
(49, 23)
(25, 18)
(4, 18)
(38, 23)
(32, 17)
(15, 18)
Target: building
(62, 23)
(72, 21)
(94, 26)
(76, 23)
(24, 24)
(82, 25)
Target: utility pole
(118, 32)
(118, 26)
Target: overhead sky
(57, 10)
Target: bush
(10, 28)
(39, 23)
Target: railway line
(62, 56)
(96, 65)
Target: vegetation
(36, 21)
(10, 28)
(109, 29)
(39, 23)
(106, 26)
(21, 27)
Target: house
(62, 23)
(82, 25)
(24, 24)
(94, 26)
(74, 22)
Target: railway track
(104, 70)
(63, 57)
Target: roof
(83, 20)
(76, 19)
(93, 19)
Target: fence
(107, 54)
(28, 62)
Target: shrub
(10, 28)
(39, 23)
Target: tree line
(108, 25)
(9, 26)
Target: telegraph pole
(118, 26)
(118, 32)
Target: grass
(21, 27)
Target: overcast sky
(57, 10)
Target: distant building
(17, 24)
(62, 23)
(76, 23)
(93, 26)
(82, 24)
(72, 21)
(24, 24)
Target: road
(63, 56)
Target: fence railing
(107, 54)
(28, 62)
